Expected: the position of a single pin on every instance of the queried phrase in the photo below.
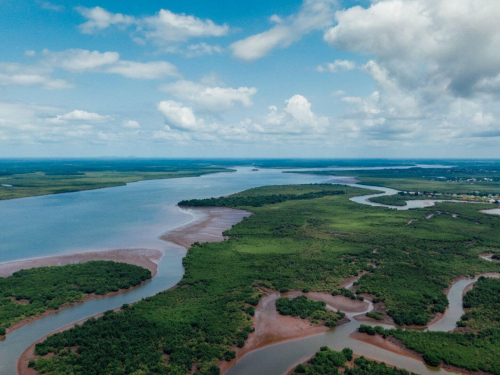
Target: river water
(134, 216)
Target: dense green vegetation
(483, 304)
(31, 292)
(298, 244)
(470, 351)
(306, 308)
(25, 178)
(328, 361)
(256, 200)
(392, 200)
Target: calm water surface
(134, 216)
(131, 216)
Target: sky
(254, 78)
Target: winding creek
(135, 216)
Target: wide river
(134, 216)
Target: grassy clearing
(297, 244)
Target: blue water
(131, 216)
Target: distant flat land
(20, 179)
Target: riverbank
(272, 328)
(208, 225)
(145, 258)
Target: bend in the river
(136, 215)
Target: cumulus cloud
(79, 60)
(131, 124)
(12, 74)
(449, 45)
(29, 53)
(25, 123)
(211, 98)
(167, 26)
(149, 70)
(296, 117)
(435, 66)
(162, 28)
(180, 117)
(202, 49)
(313, 15)
(336, 66)
(99, 19)
(79, 115)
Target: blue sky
(312, 78)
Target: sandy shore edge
(208, 225)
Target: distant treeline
(256, 200)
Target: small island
(31, 293)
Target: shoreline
(145, 258)
(272, 328)
(207, 227)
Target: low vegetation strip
(42, 180)
(284, 246)
(256, 201)
(328, 361)
(471, 351)
(29, 293)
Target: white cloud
(435, 65)
(131, 124)
(99, 19)
(313, 15)
(296, 118)
(336, 66)
(79, 115)
(50, 6)
(211, 98)
(181, 117)
(79, 60)
(202, 49)
(167, 26)
(449, 45)
(21, 75)
(29, 53)
(148, 70)
(162, 28)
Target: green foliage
(328, 361)
(256, 201)
(374, 315)
(306, 308)
(348, 353)
(41, 177)
(470, 351)
(483, 302)
(31, 292)
(292, 245)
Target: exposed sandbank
(207, 225)
(271, 327)
(145, 258)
